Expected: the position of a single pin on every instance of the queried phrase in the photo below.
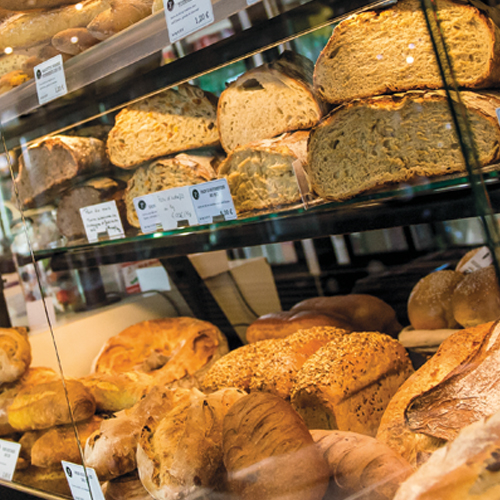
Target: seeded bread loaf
(267, 101)
(370, 143)
(261, 174)
(166, 173)
(388, 51)
(167, 123)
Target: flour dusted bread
(348, 383)
(390, 50)
(267, 101)
(174, 120)
(369, 143)
(15, 354)
(269, 453)
(166, 173)
(261, 174)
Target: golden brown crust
(15, 354)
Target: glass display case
(186, 188)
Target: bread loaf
(39, 181)
(400, 137)
(167, 123)
(347, 384)
(24, 5)
(391, 50)
(73, 41)
(261, 174)
(275, 372)
(166, 173)
(12, 79)
(282, 324)
(267, 101)
(269, 453)
(15, 354)
(360, 466)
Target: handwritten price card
(175, 208)
(50, 79)
(9, 452)
(187, 16)
(102, 222)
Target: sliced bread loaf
(368, 143)
(388, 51)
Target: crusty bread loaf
(282, 324)
(269, 453)
(360, 466)
(267, 101)
(73, 41)
(388, 51)
(424, 143)
(413, 423)
(45, 405)
(347, 384)
(167, 123)
(24, 5)
(365, 313)
(430, 302)
(48, 167)
(476, 299)
(166, 173)
(275, 372)
(181, 457)
(15, 354)
(12, 62)
(261, 174)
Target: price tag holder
(213, 202)
(102, 222)
(175, 208)
(9, 452)
(187, 16)
(147, 213)
(77, 480)
(50, 79)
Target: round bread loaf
(347, 384)
(430, 302)
(282, 324)
(476, 298)
(276, 371)
(15, 353)
(168, 348)
(269, 453)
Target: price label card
(102, 222)
(8, 458)
(482, 258)
(187, 16)
(175, 208)
(147, 213)
(50, 79)
(212, 201)
(77, 480)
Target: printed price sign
(187, 16)
(9, 452)
(147, 213)
(102, 222)
(77, 480)
(50, 79)
(175, 208)
(213, 202)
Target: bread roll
(360, 466)
(269, 453)
(347, 384)
(267, 101)
(45, 405)
(339, 151)
(382, 52)
(166, 173)
(282, 324)
(73, 41)
(476, 298)
(15, 354)
(167, 123)
(262, 175)
(39, 182)
(430, 301)
(276, 371)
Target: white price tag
(147, 213)
(9, 452)
(75, 474)
(213, 202)
(175, 208)
(187, 16)
(482, 258)
(102, 222)
(50, 79)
